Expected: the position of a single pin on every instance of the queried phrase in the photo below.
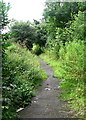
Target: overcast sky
(26, 9)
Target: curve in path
(46, 104)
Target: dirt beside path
(47, 103)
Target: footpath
(46, 104)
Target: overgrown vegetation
(21, 73)
(21, 76)
(69, 68)
(65, 54)
(60, 37)
(28, 34)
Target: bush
(23, 33)
(72, 32)
(70, 69)
(67, 61)
(37, 49)
(21, 76)
(72, 63)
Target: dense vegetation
(59, 38)
(65, 53)
(21, 73)
(21, 76)
(69, 68)
(29, 35)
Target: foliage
(60, 35)
(21, 76)
(73, 65)
(23, 33)
(4, 14)
(82, 6)
(28, 34)
(72, 32)
(79, 32)
(41, 33)
(3, 23)
(65, 54)
(57, 15)
(69, 67)
(37, 49)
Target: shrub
(21, 76)
(23, 33)
(37, 49)
(74, 31)
(71, 71)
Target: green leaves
(27, 34)
(23, 33)
(4, 14)
(21, 76)
(69, 67)
(41, 34)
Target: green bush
(37, 49)
(74, 31)
(66, 55)
(21, 76)
(70, 69)
(73, 84)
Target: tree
(3, 38)
(41, 33)
(23, 33)
(58, 14)
(4, 14)
(82, 6)
(3, 22)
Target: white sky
(26, 9)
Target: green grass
(69, 68)
(53, 63)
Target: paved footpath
(46, 104)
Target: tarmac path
(46, 104)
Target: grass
(69, 68)
(53, 63)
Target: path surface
(46, 104)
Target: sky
(26, 9)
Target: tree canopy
(4, 14)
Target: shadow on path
(46, 104)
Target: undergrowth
(21, 76)
(70, 68)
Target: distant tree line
(57, 17)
